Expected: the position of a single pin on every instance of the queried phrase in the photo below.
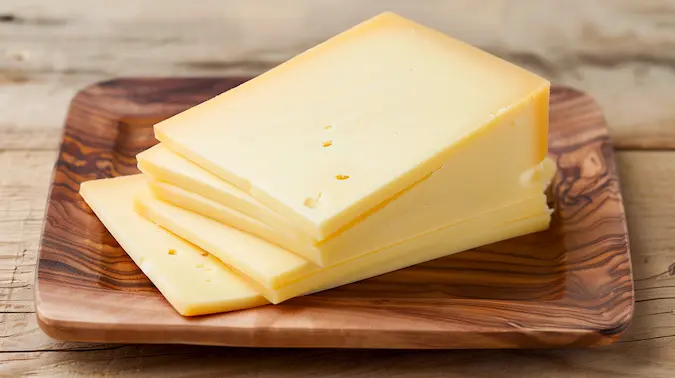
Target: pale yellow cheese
(231, 217)
(421, 209)
(270, 268)
(160, 162)
(385, 107)
(467, 235)
(192, 281)
(266, 263)
(350, 248)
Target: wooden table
(620, 51)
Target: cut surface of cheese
(414, 212)
(331, 135)
(341, 247)
(271, 268)
(267, 264)
(193, 281)
(205, 206)
(166, 165)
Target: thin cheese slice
(231, 217)
(422, 209)
(166, 165)
(193, 281)
(270, 268)
(353, 248)
(267, 264)
(326, 138)
(435, 245)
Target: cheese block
(409, 215)
(389, 107)
(271, 268)
(193, 281)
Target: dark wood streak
(568, 286)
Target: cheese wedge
(386, 111)
(193, 281)
(270, 267)
(411, 214)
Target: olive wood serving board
(568, 286)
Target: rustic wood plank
(44, 139)
(647, 181)
(20, 330)
(620, 52)
(22, 205)
(655, 359)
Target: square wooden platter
(568, 286)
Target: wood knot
(8, 18)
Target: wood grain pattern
(568, 286)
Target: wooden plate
(568, 286)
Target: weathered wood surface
(620, 51)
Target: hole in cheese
(313, 202)
(342, 177)
(205, 254)
(172, 251)
(328, 143)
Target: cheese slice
(193, 281)
(270, 268)
(267, 264)
(470, 234)
(205, 206)
(166, 165)
(350, 248)
(422, 209)
(325, 139)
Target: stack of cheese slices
(386, 146)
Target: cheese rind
(329, 135)
(192, 283)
